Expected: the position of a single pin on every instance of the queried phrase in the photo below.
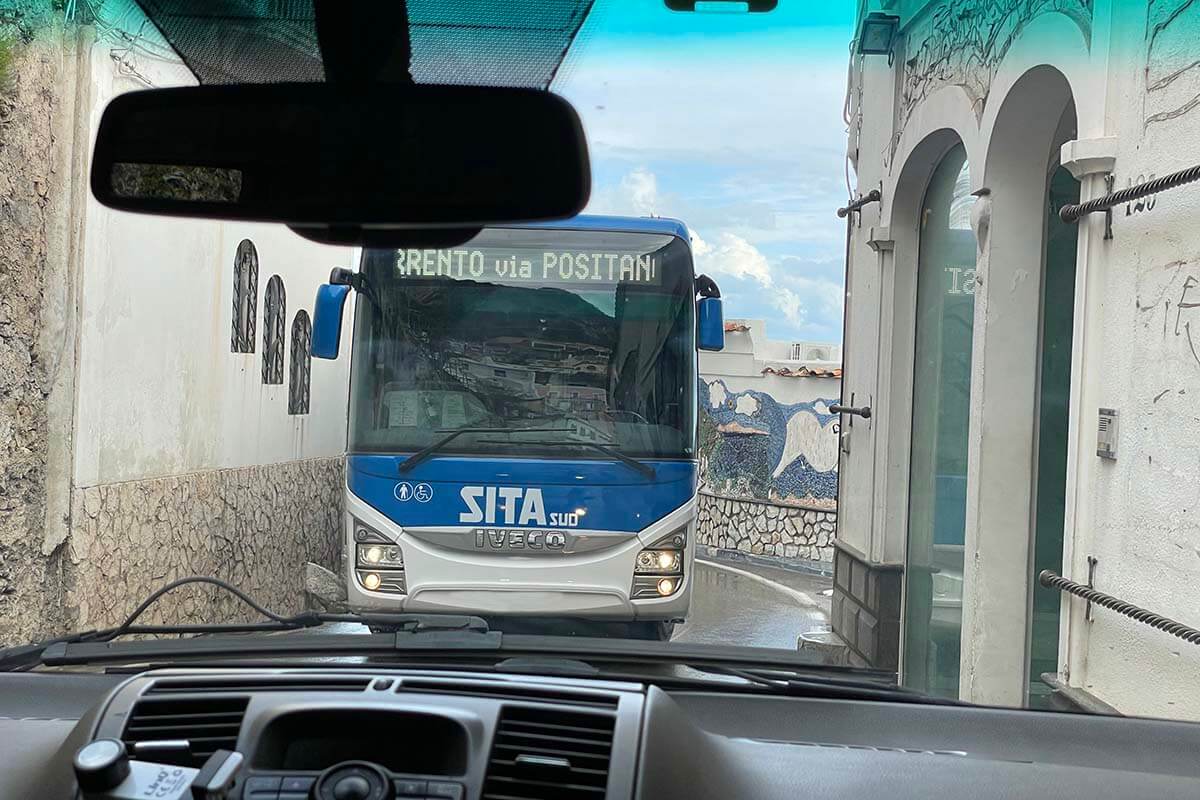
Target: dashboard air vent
(267, 683)
(161, 725)
(549, 754)
(506, 691)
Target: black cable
(1052, 581)
(125, 626)
(1072, 213)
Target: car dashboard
(389, 734)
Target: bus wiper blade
(640, 466)
(453, 433)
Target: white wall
(748, 352)
(159, 392)
(1133, 347)
(1140, 515)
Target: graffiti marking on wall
(1172, 68)
(1189, 298)
(962, 44)
(1174, 289)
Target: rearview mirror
(710, 324)
(327, 320)
(384, 156)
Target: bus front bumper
(595, 585)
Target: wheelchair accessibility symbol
(423, 492)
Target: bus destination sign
(532, 267)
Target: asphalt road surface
(743, 604)
(735, 604)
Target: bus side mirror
(327, 319)
(711, 334)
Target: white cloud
(636, 194)
(804, 293)
(790, 304)
(822, 296)
(731, 255)
(641, 188)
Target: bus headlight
(388, 581)
(658, 570)
(380, 556)
(658, 562)
(655, 586)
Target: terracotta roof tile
(803, 372)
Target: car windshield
(872, 344)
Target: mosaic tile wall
(753, 446)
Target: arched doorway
(936, 527)
(1016, 490)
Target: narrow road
(737, 604)
(746, 604)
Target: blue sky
(732, 123)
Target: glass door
(941, 408)
(1054, 400)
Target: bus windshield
(535, 340)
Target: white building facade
(163, 417)
(989, 338)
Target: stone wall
(36, 358)
(791, 534)
(254, 527)
(77, 549)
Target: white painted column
(1000, 454)
(1089, 160)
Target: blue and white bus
(523, 422)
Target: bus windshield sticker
(402, 409)
(454, 411)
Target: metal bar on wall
(1073, 212)
(1050, 580)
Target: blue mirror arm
(707, 287)
(340, 276)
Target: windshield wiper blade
(640, 466)
(439, 628)
(805, 684)
(453, 433)
(340, 645)
(409, 632)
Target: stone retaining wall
(253, 526)
(792, 534)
